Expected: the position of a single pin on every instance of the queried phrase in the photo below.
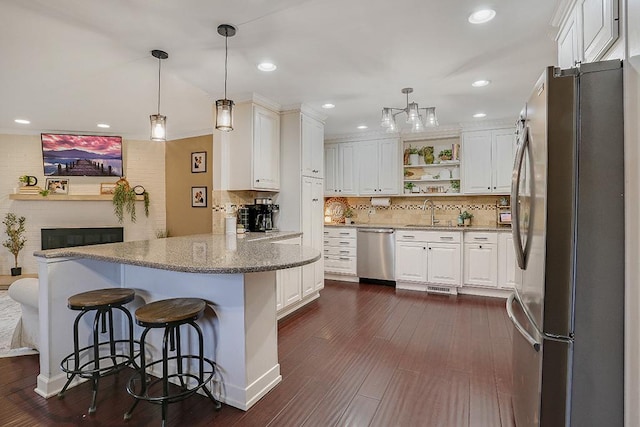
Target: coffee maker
(261, 215)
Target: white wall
(144, 164)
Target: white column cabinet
(312, 147)
(379, 167)
(312, 226)
(266, 149)
(331, 169)
(487, 161)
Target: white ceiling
(67, 65)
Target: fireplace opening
(54, 238)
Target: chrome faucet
(434, 221)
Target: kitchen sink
(428, 226)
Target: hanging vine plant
(124, 200)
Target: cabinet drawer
(340, 265)
(411, 236)
(349, 233)
(339, 242)
(479, 237)
(444, 236)
(340, 251)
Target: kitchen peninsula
(235, 274)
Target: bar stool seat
(100, 359)
(171, 314)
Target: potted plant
(445, 155)
(408, 187)
(455, 186)
(124, 199)
(414, 157)
(14, 227)
(465, 218)
(348, 214)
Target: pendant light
(417, 121)
(224, 107)
(158, 121)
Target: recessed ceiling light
(363, 127)
(267, 66)
(480, 83)
(328, 105)
(482, 16)
(22, 121)
(103, 125)
(479, 115)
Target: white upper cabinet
(312, 147)
(568, 50)
(266, 149)
(340, 169)
(379, 166)
(250, 154)
(487, 161)
(599, 22)
(587, 32)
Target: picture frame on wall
(199, 162)
(107, 187)
(198, 197)
(57, 186)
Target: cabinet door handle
(344, 252)
(424, 248)
(429, 248)
(409, 237)
(480, 246)
(257, 180)
(480, 238)
(446, 238)
(344, 243)
(344, 234)
(488, 188)
(344, 259)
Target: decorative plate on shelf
(335, 208)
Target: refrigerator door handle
(515, 193)
(535, 344)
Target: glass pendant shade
(224, 115)
(418, 125)
(158, 127)
(412, 113)
(387, 118)
(392, 126)
(431, 119)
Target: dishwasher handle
(376, 230)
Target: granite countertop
(423, 227)
(201, 253)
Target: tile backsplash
(409, 210)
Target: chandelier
(417, 121)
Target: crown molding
(305, 109)
(258, 99)
(489, 124)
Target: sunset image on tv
(81, 155)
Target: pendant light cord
(159, 67)
(226, 55)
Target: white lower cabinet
(509, 274)
(480, 259)
(340, 257)
(312, 226)
(428, 260)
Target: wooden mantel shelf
(65, 197)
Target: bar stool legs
(187, 381)
(102, 303)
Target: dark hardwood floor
(361, 355)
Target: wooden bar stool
(100, 358)
(170, 314)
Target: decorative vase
(467, 222)
(414, 159)
(16, 271)
(428, 155)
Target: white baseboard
(341, 277)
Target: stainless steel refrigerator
(568, 228)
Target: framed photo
(107, 187)
(198, 197)
(57, 185)
(199, 162)
(505, 217)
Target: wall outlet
(372, 211)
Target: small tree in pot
(14, 227)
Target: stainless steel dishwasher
(376, 253)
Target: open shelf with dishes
(431, 166)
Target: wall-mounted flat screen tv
(81, 155)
